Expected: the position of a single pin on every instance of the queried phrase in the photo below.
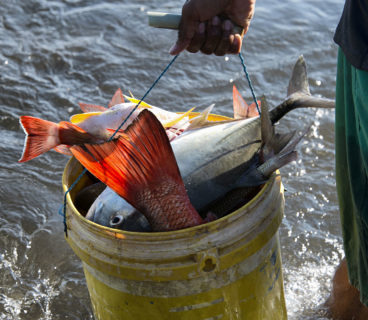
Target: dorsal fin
(252, 110)
(299, 78)
(239, 105)
(117, 98)
(86, 107)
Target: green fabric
(351, 133)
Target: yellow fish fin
(77, 118)
(175, 121)
(202, 119)
(136, 101)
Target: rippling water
(54, 54)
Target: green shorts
(351, 134)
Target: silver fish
(229, 155)
(121, 214)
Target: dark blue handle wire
(249, 82)
(62, 209)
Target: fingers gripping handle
(171, 21)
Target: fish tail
(140, 166)
(41, 136)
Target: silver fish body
(233, 154)
(112, 211)
(212, 159)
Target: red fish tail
(41, 136)
(140, 166)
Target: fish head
(129, 221)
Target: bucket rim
(117, 233)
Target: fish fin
(284, 156)
(142, 104)
(201, 119)
(259, 175)
(134, 161)
(294, 140)
(63, 149)
(41, 136)
(272, 143)
(299, 78)
(276, 162)
(298, 94)
(117, 134)
(239, 105)
(117, 98)
(256, 176)
(253, 110)
(267, 130)
(171, 123)
(80, 117)
(85, 107)
(281, 140)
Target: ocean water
(54, 54)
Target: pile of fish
(162, 171)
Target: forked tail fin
(41, 136)
(140, 166)
(298, 94)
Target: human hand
(207, 26)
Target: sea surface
(54, 54)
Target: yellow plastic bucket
(227, 269)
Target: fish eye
(116, 220)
